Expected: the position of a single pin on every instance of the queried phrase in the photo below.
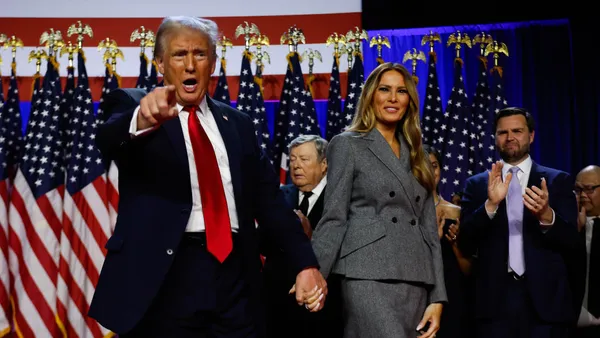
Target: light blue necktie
(514, 209)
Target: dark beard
(515, 156)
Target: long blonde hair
(365, 120)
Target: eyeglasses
(588, 190)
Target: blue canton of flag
(66, 107)
(222, 90)
(334, 101)
(455, 149)
(281, 118)
(85, 163)
(497, 102)
(310, 123)
(111, 82)
(432, 107)
(260, 116)
(42, 163)
(246, 89)
(11, 124)
(356, 80)
(482, 123)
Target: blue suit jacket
(549, 277)
(155, 203)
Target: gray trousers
(382, 309)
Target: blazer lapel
(400, 167)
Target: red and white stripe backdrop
(117, 19)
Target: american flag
(455, 145)
(5, 326)
(497, 102)
(432, 107)
(281, 118)
(222, 90)
(356, 80)
(111, 82)
(310, 123)
(250, 101)
(66, 105)
(143, 80)
(334, 101)
(10, 150)
(481, 122)
(86, 220)
(260, 116)
(35, 216)
(298, 114)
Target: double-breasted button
(392, 193)
(169, 252)
(413, 222)
(418, 199)
(394, 219)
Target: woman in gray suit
(378, 228)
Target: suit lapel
(400, 167)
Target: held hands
(432, 315)
(157, 107)
(310, 289)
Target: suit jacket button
(394, 219)
(392, 193)
(169, 252)
(413, 222)
(418, 199)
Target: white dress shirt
(312, 200)
(585, 317)
(523, 177)
(207, 120)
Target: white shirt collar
(525, 166)
(203, 106)
(319, 188)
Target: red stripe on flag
(316, 27)
(29, 285)
(62, 315)
(88, 215)
(79, 249)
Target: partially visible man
(184, 258)
(587, 189)
(521, 220)
(308, 171)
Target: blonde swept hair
(366, 115)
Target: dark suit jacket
(155, 203)
(547, 255)
(290, 192)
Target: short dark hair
(510, 111)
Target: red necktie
(212, 194)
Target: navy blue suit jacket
(156, 200)
(548, 256)
(290, 192)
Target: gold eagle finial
(80, 30)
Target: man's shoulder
(288, 188)
(478, 178)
